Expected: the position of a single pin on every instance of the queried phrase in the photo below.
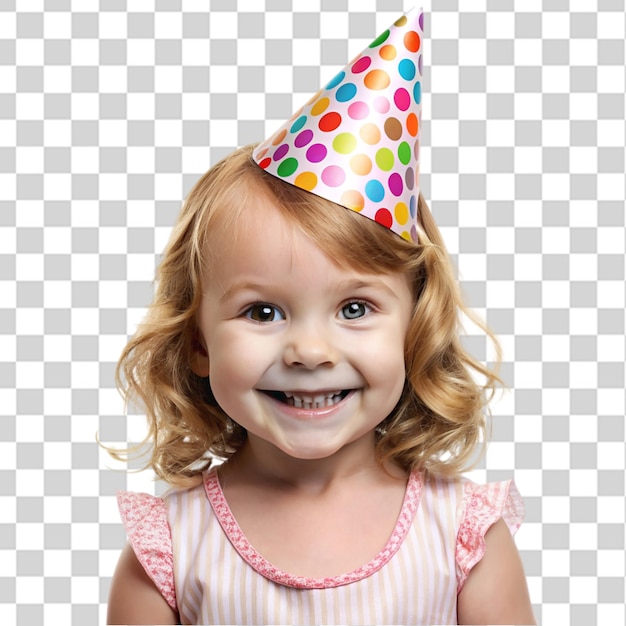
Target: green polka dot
(287, 167)
(384, 159)
(344, 143)
(404, 153)
(380, 39)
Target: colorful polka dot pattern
(356, 142)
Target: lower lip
(311, 414)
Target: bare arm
(496, 591)
(134, 598)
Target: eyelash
(272, 311)
(365, 305)
(269, 308)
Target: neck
(262, 462)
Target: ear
(199, 356)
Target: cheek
(235, 361)
(384, 371)
(391, 369)
(386, 353)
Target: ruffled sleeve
(483, 506)
(145, 520)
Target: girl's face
(305, 354)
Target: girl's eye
(354, 310)
(264, 313)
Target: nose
(309, 347)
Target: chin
(306, 451)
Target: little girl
(305, 332)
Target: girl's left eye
(354, 310)
(264, 313)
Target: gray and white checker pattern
(110, 110)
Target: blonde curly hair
(439, 423)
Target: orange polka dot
(412, 124)
(377, 80)
(320, 106)
(306, 180)
(412, 41)
(370, 133)
(278, 138)
(353, 200)
(388, 53)
(361, 164)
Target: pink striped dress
(193, 549)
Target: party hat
(356, 142)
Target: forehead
(243, 219)
(259, 205)
(258, 238)
(269, 248)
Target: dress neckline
(247, 551)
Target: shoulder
(496, 591)
(478, 509)
(143, 586)
(149, 537)
(145, 520)
(491, 581)
(134, 598)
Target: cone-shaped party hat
(356, 142)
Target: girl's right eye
(264, 313)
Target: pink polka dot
(333, 176)
(361, 65)
(402, 99)
(395, 184)
(381, 104)
(358, 110)
(316, 153)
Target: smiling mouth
(309, 401)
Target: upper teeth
(317, 401)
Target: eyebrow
(240, 286)
(350, 284)
(355, 284)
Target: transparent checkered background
(110, 110)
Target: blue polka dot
(375, 191)
(335, 81)
(407, 69)
(412, 205)
(417, 92)
(346, 92)
(298, 124)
